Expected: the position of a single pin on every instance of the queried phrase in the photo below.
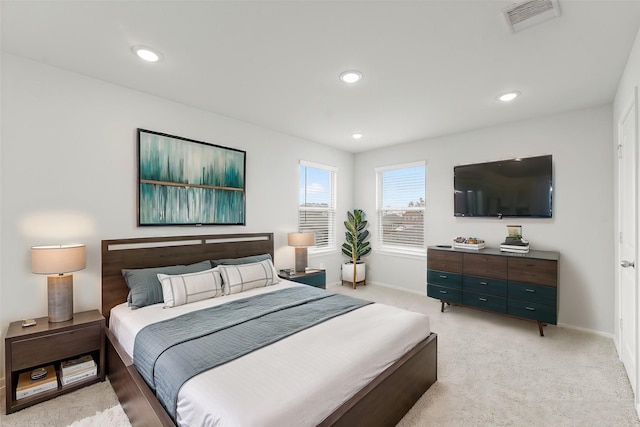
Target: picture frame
(182, 181)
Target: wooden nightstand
(47, 343)
(317, 278)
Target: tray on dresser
(474, 246)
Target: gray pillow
(238, 261)
(144, 286)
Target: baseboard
(412, 291)
(399, 288)
(384, 285)
(591, 331)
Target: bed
(380, 399)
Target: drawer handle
(530, 308)
(483, 299)
(444, 292)
(442, 276)
(484, 283)
(530, 290)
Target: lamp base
(301, 259)
(60, 298)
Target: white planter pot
(347, 272)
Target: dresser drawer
(444, 261)
(444, 294)
(483, 285)
(482, 265)
(536, 271)
(487, 302)
(444, 278)
(533, 293)
(532, 310)
(36, 351)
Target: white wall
(582, 224)
(68, 174)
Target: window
(400, 206)
(317, 205)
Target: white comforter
(297, 381)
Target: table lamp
(301, 241)
(58, 262)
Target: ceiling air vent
(531, 12)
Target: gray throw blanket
(170, 352)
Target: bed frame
(382, 402)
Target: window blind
(400, 205)
(317, 203)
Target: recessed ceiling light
(146, 53)
(356, 135)
(351, 76)
(509, 96)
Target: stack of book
(77, 369)
(515, 245)
(36, 381)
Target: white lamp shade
(302, 240)
(58, 259)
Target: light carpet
(95, 405)
(492, 371)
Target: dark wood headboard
(161, 251)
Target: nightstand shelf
(47, 343)
(317, 278)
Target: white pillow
(242, 277)
(182, 289)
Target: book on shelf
(27, 387)
(79, 364)
(66, 379)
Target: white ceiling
(430, 67)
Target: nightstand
(317, 278)
(47, 343)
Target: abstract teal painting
(187, 182)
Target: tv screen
(507, 188)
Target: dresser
(518, 285)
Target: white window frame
(395, 248)
(330, 210)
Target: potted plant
(355, 247)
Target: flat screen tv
(506, 188)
